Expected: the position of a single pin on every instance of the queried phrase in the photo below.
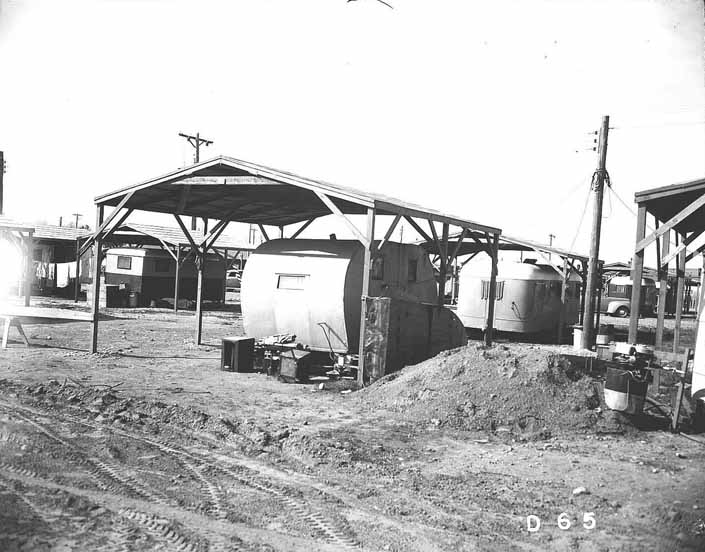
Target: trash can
(133, 299)
(577, 337)
(605, 334)
(625, 390)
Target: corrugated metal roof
(45, 231)
(59, 233)
(238, 190)
(6, 223)
(174, 236)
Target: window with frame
(124, 262)
(291, 281)
(499, 290)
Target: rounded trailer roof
(514, 270)
(627, 281)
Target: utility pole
(196, 142)
(598, 184)
(2, 172)
(77, 215)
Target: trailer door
(291, 305)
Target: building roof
(231, 189)
(147, 234)
(667, 201)
(47, 232)
(6, 223)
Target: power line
(657, 125)
(580, 222)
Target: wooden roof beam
(247, 180)
(695, 237)
(415, 226)
(390, 230)
(264, 232)
(89, 242)
(302, 228)
(671, 223)
(334, 209)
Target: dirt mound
(521, 390)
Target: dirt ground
(147, 445)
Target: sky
(482, 109)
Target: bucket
(625, 391)
(577, 338)
(604, 334)
(133, 299)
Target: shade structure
(229, 189)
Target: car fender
(612, 306)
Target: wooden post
(77, 282)
(598, 297)
(564, 289)
(680, 274)
(443, 274)
(225, 275)
(95, 284)
(29, 275)
(370, 235)
(637, 274)
(494, 252)
(598, 185)
(177, 277)
(583, 282)
(201, 266)
(663, 289)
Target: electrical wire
(657, 125)
(580, 222)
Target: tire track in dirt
(121, 481)
(98, 468)
(218, 534)
(244, 475)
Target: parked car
(232, 279)
(617, 296)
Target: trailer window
(291, 281)
(413, 268)
(162, 265)
(124, 262)
(499, 290)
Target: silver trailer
(312, 288)
(528, 297)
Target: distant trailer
(312, 288)
(151, 273)
(528, 297)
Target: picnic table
(16, 316)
